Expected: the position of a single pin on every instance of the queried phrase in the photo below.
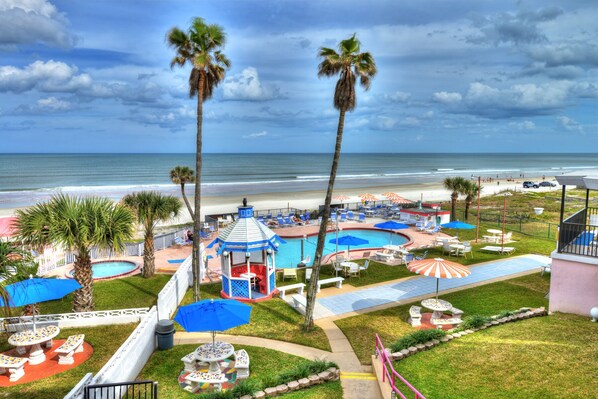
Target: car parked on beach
(547, 184)
(530, 184)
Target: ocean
(29, 178)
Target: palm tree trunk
(468, 202)
(308, 324)
(197, 198)
(454, 197)
(149, 264)
(186, 200)
(83, 300)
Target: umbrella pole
(213, 339)
(34, 318)
(437, 281)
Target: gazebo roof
(246, 234)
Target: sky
(453, 76)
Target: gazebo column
(248, 263)
(267, 264)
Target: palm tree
(455, 186)
(151, 207)
(183, 175)
(200, 47)
(349, 63)
(470, 190)
(15, 265)
(77, 224)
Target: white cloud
(51, 76)
(525, 125)
(410, 121)
(54, 104)
(247, 86)
(33, 21)
(446, 97)
(384, 123)
(570, 124)
(263, 133)
(398, 96)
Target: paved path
(417, 287)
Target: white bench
(199, 377)
(415, 316)
(72, 345)
(457, 313)
(500, 250)
(284, 288)
(337, 280)
(15, 366)
(242, 363)
(299, 302)
(442, 322)
(190, 362)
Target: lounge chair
(281, 222)
(419, 226)
(350, 216)
(302, 217)
(500, 250)
(408, 258)
(433, 230)
(366, 255)
(422, 257)
(289, 273)
(343, 217)
(361, 217)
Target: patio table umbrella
(391, 225)
(348, 241)
(438, 268)
(213, 315)
(398, 200)
(458, 225)
(341, 198)
(368, 197)
(35, 290)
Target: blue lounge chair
(434, 230)
(307, 215)
(288, 222)
(281, 222)
(422, 257)
(408, 258)
(343, 217)
(269, 216)
(362, 217)
(350, 215)
(302, 217)
(333, 216)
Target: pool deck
(330, 303)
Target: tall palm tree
(15, 265)
(77, 224)
(349, 63)
(470, 190)
(151, 207)
(455, 186)
(182, 175)
(200, 47)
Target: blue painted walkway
(383, 294)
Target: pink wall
(573, 287)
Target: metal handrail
(388, 372)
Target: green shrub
(418, 337)
(246, 387)
(474, 321)
(303, 370)
(505, 313)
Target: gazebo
(247, 251)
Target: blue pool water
(110, 269)
(289, 254)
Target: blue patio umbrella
(213, 315)
(349, 240)
(458, 225)
(391, 225)
(35, 290)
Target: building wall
(573, 285)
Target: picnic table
(438, 306)
(213, 353)
(24, 339)
(350, 267)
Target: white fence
(130, 358)
(83, 319)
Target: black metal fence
(124, 390)
(579, 233)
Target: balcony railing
(578, 235)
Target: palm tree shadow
(139, 288)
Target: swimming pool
(110, 268)
(289, 254)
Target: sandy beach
(309, 200)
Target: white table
(351, 267)
(213, 353)
(494, 232)
(457, 247)
(438, 306)
(369, 212)
(27, 338)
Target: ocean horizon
(29, 178)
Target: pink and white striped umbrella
(341, 198)
(438, 268)
(397, 199)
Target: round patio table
(27, 338)
(438, 306)
(213, 353)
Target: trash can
(165, 334)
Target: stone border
(523, 313)
(332, 374)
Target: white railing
(130, 358)
(82, 319)
(173, 292)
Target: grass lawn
(105, 341)
(390, 324)
(165, 366)
(121, 293)
(543, 357)
(272, 319)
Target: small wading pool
(110, 268)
